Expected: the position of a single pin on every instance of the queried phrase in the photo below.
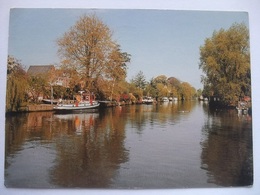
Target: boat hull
(148, 102)
(49, 101)
(74, 107)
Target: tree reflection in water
(168, 145)
(91, 158)
(227, 148)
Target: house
(40, 70)
(54, 78)
(49, 71)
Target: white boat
(147, 100)
(165, 99)
(76, 106)
(242, 108)
(83, 102)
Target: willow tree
(225, 60)
(88, 50)
(187, 92)
(175, 87)
(16, 85)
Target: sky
(161, 42)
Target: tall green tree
(139, 80)
(16, 89)
(138, 85)
(89, 51)
(225, 60)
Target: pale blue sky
(161, 42)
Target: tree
(161, 79)
(139, 80)
(37, 87)
(89, 53)
(16, 85)
(187, 91)
(225, 60)
(162, 90)
(161, 84)
(175, 86)
(114, 74)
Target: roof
(39, 69)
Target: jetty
(36, 108)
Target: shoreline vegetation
(90, 60)
(42, 107)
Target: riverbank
(36, 108)
(49, 107)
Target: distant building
(40, 70)
(53, 77)
(62, 80)
(56, 78)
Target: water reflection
(88, 148)
(163, 113)
(168, 145)
(227, 148)
(86, 160)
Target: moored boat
(242, 108)
(50, 101)
(147, 100)
(165, 99)
(82, 102)
(76, 106)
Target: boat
(76, 106)
(165, 99)
(147, 100)
(50, 101)
(82, 102)
(206, 99)
(242, 108)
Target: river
(168, 145)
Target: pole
(51, 95)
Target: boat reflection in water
(81, 121)
(85, 157)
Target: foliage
(161, 79)
(187, 91)
(37, 87)
(16, 85)
(91, 57)
(161, 86)
(139, 80)
(225, 60)
(199, 92)
(175, 86)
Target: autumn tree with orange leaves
(94, 59)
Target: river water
(169, 145)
